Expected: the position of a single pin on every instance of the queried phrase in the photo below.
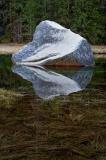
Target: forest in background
(18, 18)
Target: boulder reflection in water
(48, 84)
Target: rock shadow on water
(49, 84)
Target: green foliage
(89, 20)
(86, 17)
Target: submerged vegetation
(8, 97)
(72, 126)
(67, 126)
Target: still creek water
(52, 114)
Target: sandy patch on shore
(10, 48)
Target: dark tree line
(18, 18)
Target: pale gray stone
(53, 42)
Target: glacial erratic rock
(53, 44)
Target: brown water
(69, 127)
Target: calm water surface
(52, 114)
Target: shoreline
(11, 48)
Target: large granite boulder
(53, 44)
(49, 84)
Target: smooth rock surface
(49, 84)
(54, 44)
